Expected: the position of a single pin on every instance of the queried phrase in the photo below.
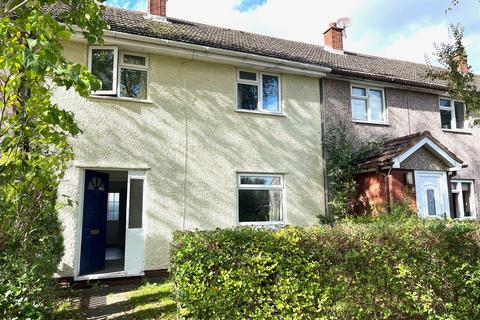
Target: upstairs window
(258, 91)
(452, 114)
(260, 198)
(463, 199)
(122, 75)
(368, 104)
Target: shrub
(377, 270)
(344, 151)
(29, 256)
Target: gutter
(206, 53)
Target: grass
(153, 301)
(148, 301)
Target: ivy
(344, 151)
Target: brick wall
(158, 7)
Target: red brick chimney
(462, 63)
(334, 37)
(157, 7)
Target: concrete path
(103, 303)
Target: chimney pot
(462, 61)
(333, 37)
(157, 7)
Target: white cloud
(300, 20)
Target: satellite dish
(344, 23)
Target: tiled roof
(349, 63)
(395, 147)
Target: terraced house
(199, 127)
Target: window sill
(466, 219)
(121, 99)
(458, 131)
(278, 114)
(262, 224)
(385, 124)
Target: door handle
(94, 232)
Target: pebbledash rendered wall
(192, 143)
(408, 112)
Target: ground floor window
(463, 199)
(260, 198)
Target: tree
(462, 84)
(34, 147)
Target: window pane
(247, 96)
(446, 117)
(252, 76)
(359, 109)
(135, 60)
(460, 114)
(456, 203)
(133, 83)
(466, 192)
(113, 206)
(102, 67)
(270, 93)
(260, 205)
(432, 210)
(376, 105)
(445, 103)
(136, 204)
(362, 92)
(264, 180)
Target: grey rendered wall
(408, 112)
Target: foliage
(343, 153)
(462, 84)
(34, 148)
(153, 301)
(376, 270)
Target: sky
(405, 29)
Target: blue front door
(92, 257)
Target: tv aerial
(344, 23)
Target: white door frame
(437, 182)
(140, 173)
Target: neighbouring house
(202, 127)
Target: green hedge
(409, 270)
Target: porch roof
(394, 151)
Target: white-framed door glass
(134, 234)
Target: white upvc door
(432, 194)
(134, 234)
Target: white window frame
(366, 98)
(280, 187)
(115, 218)
(458, 190)
(132, 67)
(259, 84)
(451, 109)
(115, 68)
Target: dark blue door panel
(92, 256)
